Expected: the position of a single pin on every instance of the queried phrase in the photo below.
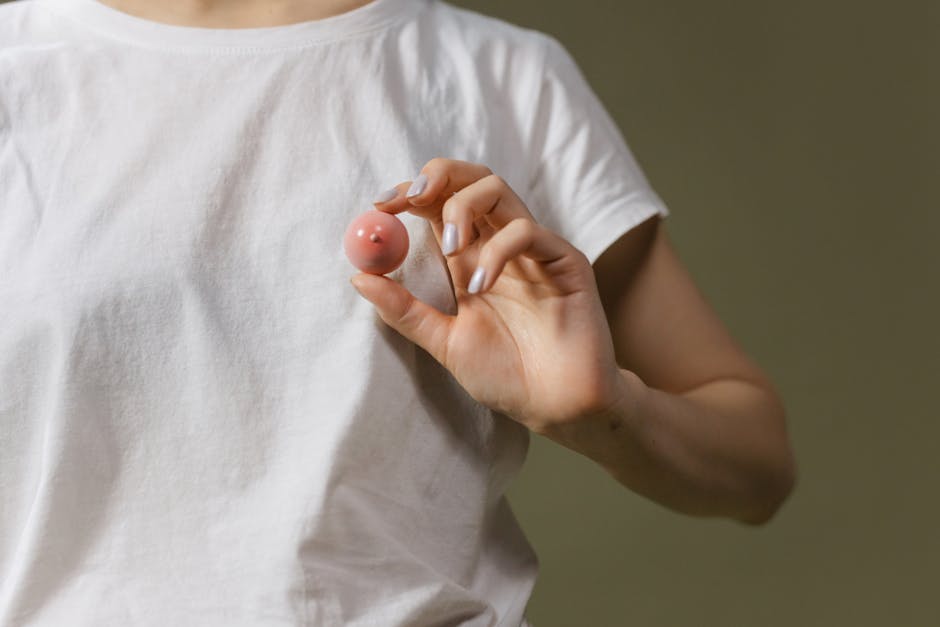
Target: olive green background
(796, 145)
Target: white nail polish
(476, 281)
(418, 185)
(449, 239)
(386, 196)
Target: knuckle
(578, 253)
(410, 316)
(486, 169)
(437, 163)
(453, 208)
(495, 180)
(524, 226)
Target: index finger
(437, 181)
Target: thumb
(419, 322)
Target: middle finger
(490, 198)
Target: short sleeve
(584, 182)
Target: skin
(651, 385)
(233, 13)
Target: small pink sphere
(376, 242)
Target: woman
(202, 423)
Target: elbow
(770, 494)
(773, 485)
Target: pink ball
(376, 242)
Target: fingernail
(449, 239)
(418, 185)
(476, 281)
(386, 196)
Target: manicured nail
(386, 196)
(418, 185)
(476, 281)
(449, 239)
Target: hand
(530, 338)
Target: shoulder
(479, 27)
(490, 42)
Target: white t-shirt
(201, 421)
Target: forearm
(718, 450)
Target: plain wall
(796, 145)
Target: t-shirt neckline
(132, 29)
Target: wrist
(610, 432)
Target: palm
(522, 346)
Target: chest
(135, 167)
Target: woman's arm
(697, 426)
(642, 377)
